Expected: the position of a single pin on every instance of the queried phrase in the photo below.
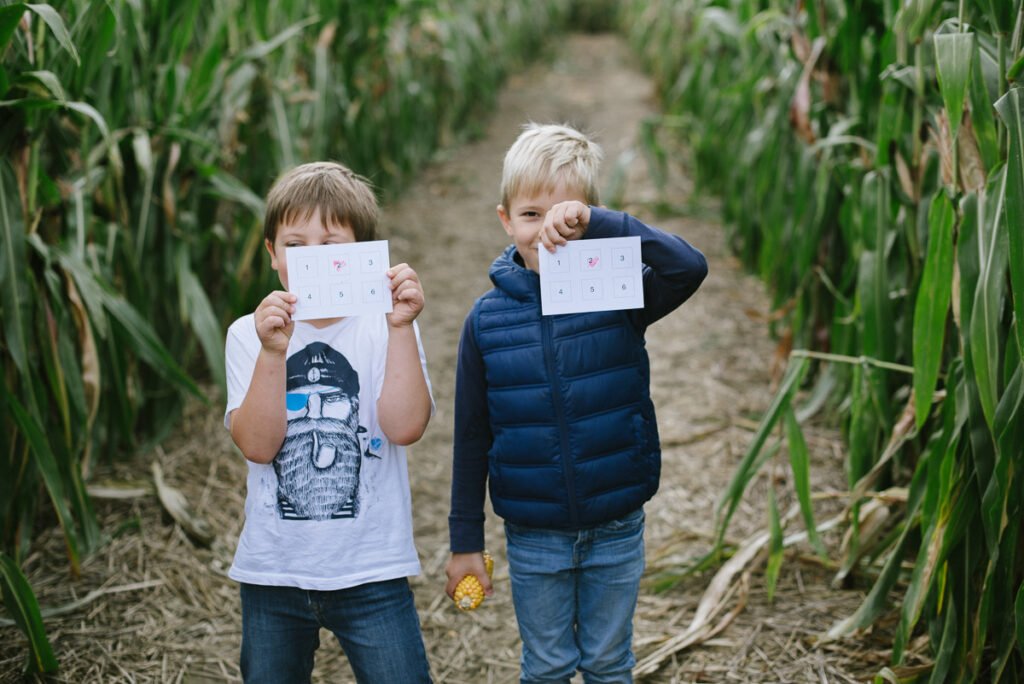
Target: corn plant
(869, 159)
(136, 143)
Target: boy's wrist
(272, 354)
(392, 325)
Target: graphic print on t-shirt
(318, 464)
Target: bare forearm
(259, 425)
(404, 405)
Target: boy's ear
(506, 221)
(273, 255)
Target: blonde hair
(545, 154)
(342, 196)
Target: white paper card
(602, 274)
(332, 281)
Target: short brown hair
(342, 196)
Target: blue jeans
(575, 593)
(376, 625)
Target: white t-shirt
(333, 509)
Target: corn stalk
(870, 159)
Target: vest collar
(509, 275)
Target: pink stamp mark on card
(592, 262)
(339, 264)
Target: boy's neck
(321, 323)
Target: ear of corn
(469, 593)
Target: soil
(151, 606)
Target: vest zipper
(563, 427)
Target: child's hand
(406, 295)
(462, 564)
(565, 221)
(274, 322)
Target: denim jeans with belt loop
(575, 593)
(375, 623)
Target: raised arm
(673, 268)
(259, 424)
(404, 405)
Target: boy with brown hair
(322, 410)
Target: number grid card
(333, 281)
(602, 274)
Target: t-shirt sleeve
(240, 352)
(423, 364)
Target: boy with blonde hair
(555, 412)
(322, 410)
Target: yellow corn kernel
(469, 593)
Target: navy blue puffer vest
(575, 437)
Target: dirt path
(162, 610)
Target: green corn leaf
(948, 644)
(38, 103)
(1009, 431)
(48, 80)
(261, 50)
(227, 186)
(284, 135)
(1018, 610)
(197, 313)
(790, 381)
(144, 340)
(10, 17)
(877, 600)
(148, 346)
(932, 306)
(985, 324)
(954, 54)
(982, 117)
(938, 462)
(914, 18)
(1014, 72)
(20, 602)
(14, 289)
(142, 150)
(46, 463)
(799, 460)
(775, 547)
(56, 25)
(1000, 14)
(1010, 108)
